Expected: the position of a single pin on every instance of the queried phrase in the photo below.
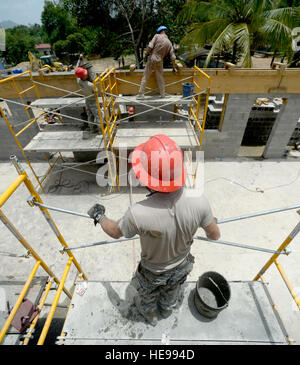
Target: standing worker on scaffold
(166, 222)
(85, 77)
(159, 47)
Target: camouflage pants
(92, 114)
(161, 291)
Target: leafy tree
(239, 25)
(20, 40)
(142, 18)
(90, 13)
(168, 11)
(59, 48)
(57, 22)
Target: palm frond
(277, 34)
(288, 16)
(200, 11)
(223, 40)
(243, 41)
(204, 33)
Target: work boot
(140, 97)
(150, 317)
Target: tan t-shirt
(166, 224)
(87, 86)
(161, 46)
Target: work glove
(96, 212)
(145, 59)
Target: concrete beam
(237, 81)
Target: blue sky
(21, 11)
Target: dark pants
(161, 291)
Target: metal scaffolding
(23, 178)
(106, 89)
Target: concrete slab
(233, 188)
(249, 318)
(58, 102)
(130, 135)
(64, 141)
(153, 100)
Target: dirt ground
(102, 63)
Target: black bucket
(212, 294)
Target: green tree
(168, 11)
(56, 21)
(239, 26)
(90, 13)
(20, 40)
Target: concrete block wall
(226, 143)
(260, 123)
(296, 135)
(8, 146)
(276, 126)
(283, 128)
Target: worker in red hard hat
(159, 47)
(131, 113)
(85, 77)
(166, 222)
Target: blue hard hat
(162, 27)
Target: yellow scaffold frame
(31, 121)
(274, 260)
(197, 81)
(106, 85)
(23, 178)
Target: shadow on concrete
(193, 309)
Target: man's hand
(96, 212)
(175, 67)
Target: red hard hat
(158, 164)
(80, 72)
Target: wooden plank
(64, 141)
(130, 135)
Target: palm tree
(239, 26)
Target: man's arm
(147, 53)
(111, 227)
(212, 231)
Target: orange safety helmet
(80, 72)
(159, 164)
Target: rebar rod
(242, 246)
(257, 214)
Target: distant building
(43, 49)
(2, 39)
